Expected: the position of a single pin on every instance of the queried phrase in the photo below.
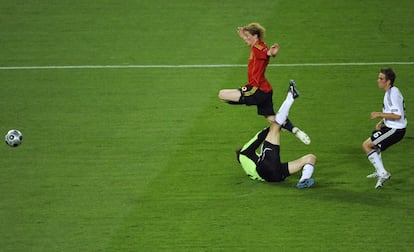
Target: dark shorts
(253, 96)
(269, 166)
(385, 137)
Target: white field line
(201, 66)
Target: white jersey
(394, 103)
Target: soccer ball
(13, 138)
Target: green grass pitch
(142, 159)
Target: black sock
(288, 125)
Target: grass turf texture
(142, 159)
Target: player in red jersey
(258, 91)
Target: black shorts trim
(248, 91)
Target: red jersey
(258, 62)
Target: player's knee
(367, 146)
(364, 145)
(311, 158)
(224, 95)
(221, 95)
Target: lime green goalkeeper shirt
(249, 167)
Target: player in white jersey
(390, 130)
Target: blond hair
(255, 29)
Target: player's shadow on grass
(371, 198)
(346, 182)
(361, 191)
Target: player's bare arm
(379, 125)
(273, 50)
(389, 116)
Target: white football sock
(379, 154)
(376, 161)
(307, 172)
(283, 112)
